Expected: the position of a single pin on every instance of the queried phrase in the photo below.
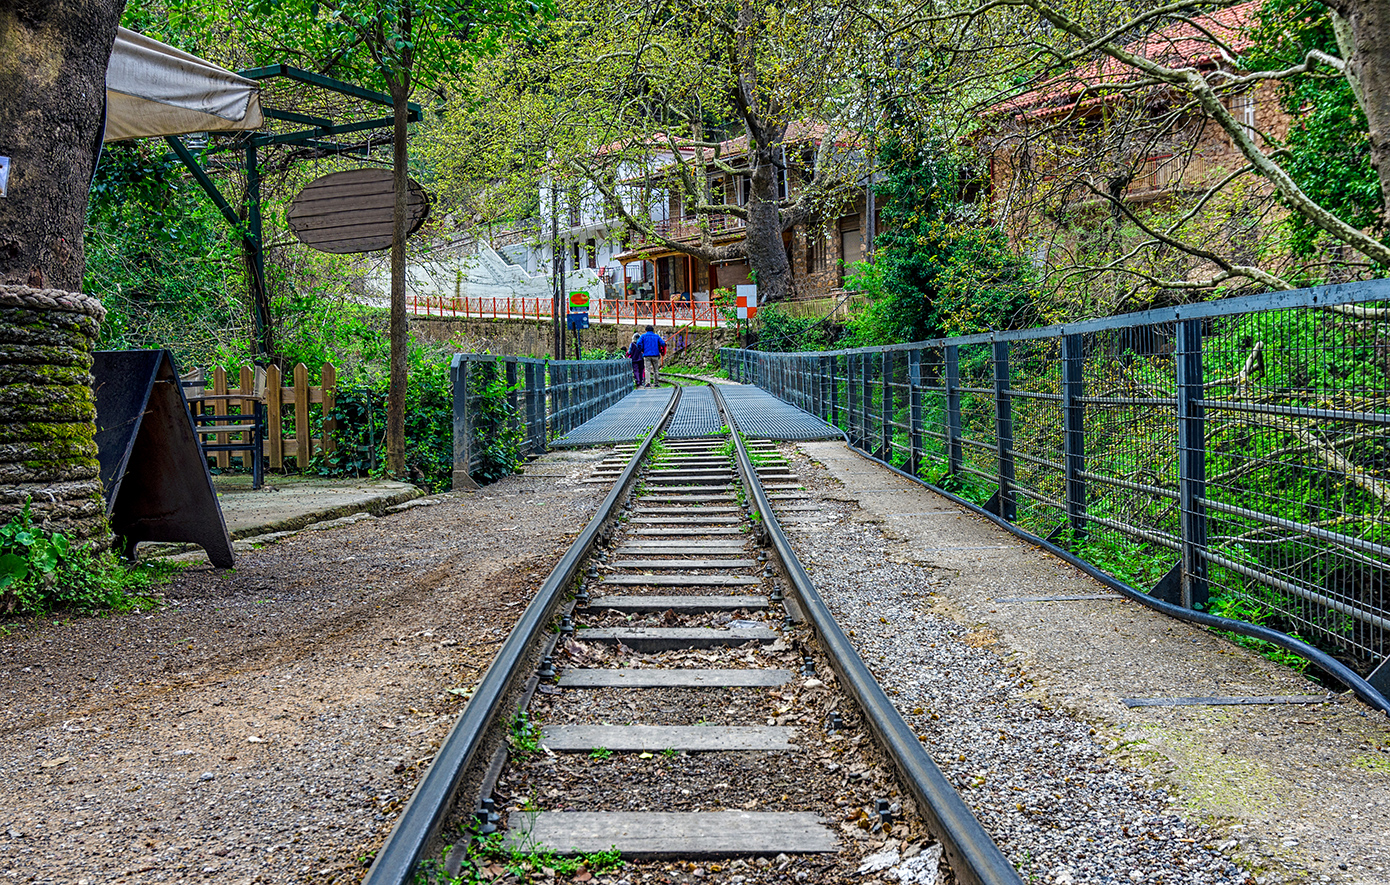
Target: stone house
(1095, 132)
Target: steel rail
(1333, 667)
(973, 856)
(425, 813)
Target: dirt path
(266, 724)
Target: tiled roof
(1205, 41)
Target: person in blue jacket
(653, 349)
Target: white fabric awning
(154, 89)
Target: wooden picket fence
(288, 408)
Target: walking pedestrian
(634, 353)
(653, 352)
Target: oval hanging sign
(351, 211)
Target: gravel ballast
(1020, 703)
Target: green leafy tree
(940, 269)
(398, 46)
(1328, 148)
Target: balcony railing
(616, 311)
(680, 229)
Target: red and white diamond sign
(746, 301)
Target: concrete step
(678, 604)
(669, 834)
(681, 580)
(683, 677)
(658, 548)
(649, 548)
(655, 738)
(647, 531)
(650, 639)
(686, 563)
(689, 479)
(724, 520)
(658, 489)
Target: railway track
(679, 697)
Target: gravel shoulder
(267, 722)
(1020, 703)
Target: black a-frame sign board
(154, 474)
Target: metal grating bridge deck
(760, 415)
(696, 415)
(625, 421)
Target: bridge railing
(701, 314)
(506, 406)
(1234, 456)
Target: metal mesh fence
(524, 402)
(1233, 456)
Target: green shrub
(359, 416)
(44, 571)
(359, 413)
(496, 431)
(780, 331)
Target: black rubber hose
(972, 854)
(1333, 667)
(424, 814)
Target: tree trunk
(395, 398)
(1370, 67)
(767, 254)
(53, 56)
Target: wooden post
(248, 410)
(302, 437)
(328, 377)
(219, 386)
(274, 418)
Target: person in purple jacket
(634, 353)
(653, 349)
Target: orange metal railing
(703, 314)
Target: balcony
(688, 229)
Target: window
(815, 251)
(1242, 107)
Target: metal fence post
(914, 421)
(1192, 462)
(1004, 431)
(463, 425)
(1074, 413)
(834, 391)
(866, 402)
(954, 459)
(888, 365)
(514, 418)
(540, 394)
(851, 413)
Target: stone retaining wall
(48, 451)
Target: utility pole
(869, 198)
(557, 327)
